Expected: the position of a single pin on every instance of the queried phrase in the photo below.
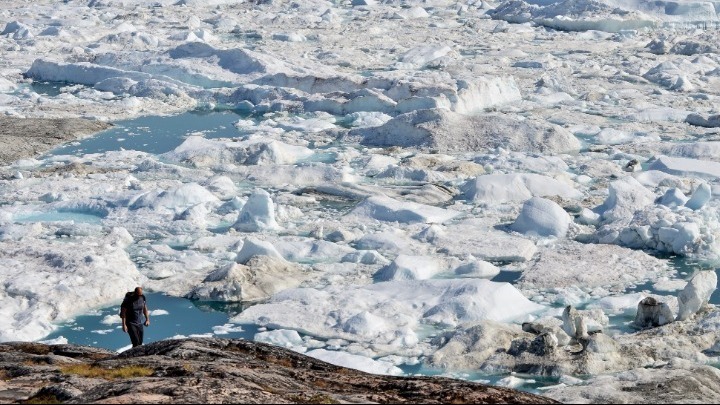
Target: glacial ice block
(385, 208)
(542, 217)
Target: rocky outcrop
(214, 371)
(26, 137)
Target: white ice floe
(687, 167)
(406, 267)
(60, 340)
(62, 282)
(385, 208)
(354, 361)
(258, 213)
(175, 199)
(202, 152)
(499, 188)
(472, 237)
(402, 306)
(227, 329)
(696, 294)
(626, 196)
(284, 338)
(607, 266)
(259, 277)
(447, 131)
(543, 217)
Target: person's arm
(147, 315)
(123, 316)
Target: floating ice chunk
(622, 304)
(696, 294)
(365, 257)
(227, 329)
(60, 340)
(448, 131)
(176, 199)
(366, 324)
(282, 337)
(477, 268)
(6, 85)
(421, 55)
(687, 167)
(712, 121)
(311, 250)
(609, 136)
(406, 303)
(17, 30)
(410, 13)
(111, 320)
(625, 197)
(700, 197)
(260, 278)
(387, 209)
(367, 119)
(514, 382)
(575, 16)
(673, 198)
(592, 265)
(222, 186)
(542, 217)
(258, 214)
(670, 76)
(498, 188)
(202, 152)
(66, 275)
(588, 217)
(253, 247)
(159, 312)
(312, 125)
(406, 267)
(467, 238)
(354, 361)
(695, 150)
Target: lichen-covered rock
(216, 371)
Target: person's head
(138, 291)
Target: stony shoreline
(215, 371)
(22, 138)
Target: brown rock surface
(27, 137)
(215, 371)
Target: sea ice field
(522, 192)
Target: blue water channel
(157, 134)
(170, 317)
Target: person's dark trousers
(136, 334)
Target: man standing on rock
(132, 310)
